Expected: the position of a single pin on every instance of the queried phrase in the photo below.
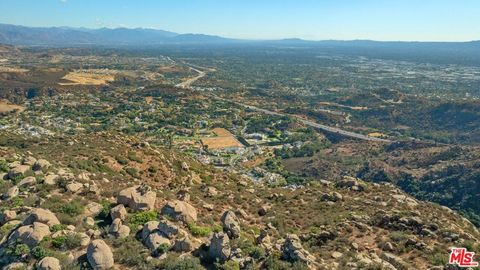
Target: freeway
(189, 82)
(329, 129)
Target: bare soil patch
(224, 139)
(87, 78)
(6, 107)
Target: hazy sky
(447, 20)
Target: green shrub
(273, 262)
(39, 252)
(229, 265)
(132, 171)
(438, 259)
(122, 160)
(73, 208)
(163, 248)
(4, 166)
(398, 236)
(130, 252)
(257, 253)
(133, 157)
(66, 242)
(5, 229)
(21, 250)
(58, 227)
(141, 218)
(173, 262)
(16, 179)
(59, 241)
(198, 231)
(15, 202)
(106, 207)
(153, 169)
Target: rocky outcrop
(264, 240)
(155, 240)
(99, 255)
(180, 211)
(30, 235)
(118, 211)
(51, 179)
(11, 193)
(74, 187)
(155, 233)
(184, 244)
(41, 164)
(93, 209)
(219, 247)
(41, 215)
(15, 266)
(149, 228)
(292, 250)
(395, 261)
(230, 224)
(138, 198)
(7, 216)
(167, 228)
(351, 183)
(49, 263)
(396, 222)
(30, 161)
(119, 230)
(27, 181)
(18, 171)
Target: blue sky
(435, 20)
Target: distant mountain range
(67, 36)
(61, 36)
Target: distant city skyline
(393, 20)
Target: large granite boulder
(180, 211)
(292, 250)
(118, 211)
(99, 255)
(31, 235)
(138, 198)
(49, 263)
(230, 224)
(41, 215)
(41, 164)
(219, 247)
(18, 171)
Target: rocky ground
(158, 209)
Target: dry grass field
(5, 107)
(12, 70)
(224, 139)
(87, 78)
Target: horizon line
(245, 39)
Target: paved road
(189, 82)
(311, 123)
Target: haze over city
(406, 20)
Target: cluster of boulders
(173, 229)
(351, 183)
(408, 223)
(331, 197)
(138, 198)
(180, 211)
(292, 250)
(30, 226)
